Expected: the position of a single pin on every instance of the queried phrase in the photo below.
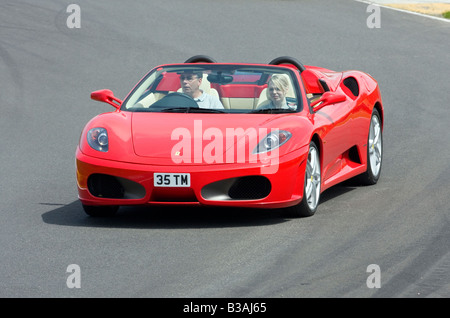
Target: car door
(335, 125)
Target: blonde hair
(280, 81)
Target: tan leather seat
(262, 100)
(238, 102)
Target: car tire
(101, 210)
(374, 151)
(312, 186)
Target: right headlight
(98, 139)
(273, 140)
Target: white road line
(406, 11)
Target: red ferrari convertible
(270, 135)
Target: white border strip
(406, 11)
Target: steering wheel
(288, 60)
(175, 100)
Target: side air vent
(324, 85)
(352, 84)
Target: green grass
(446, 14)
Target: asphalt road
(47, 71)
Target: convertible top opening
(235, 88)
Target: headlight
(98, 139)
(272, 141)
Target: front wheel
(374, 151)
(311, 192)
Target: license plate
(171, 179)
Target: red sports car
(270, 135)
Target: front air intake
(105, 186)
(239, 188)
(250, 188)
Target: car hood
(194, 138)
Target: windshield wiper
(207, 110)
(175, 109)
(272, 111)
(191, 110)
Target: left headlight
(98, 139)
(273, 140)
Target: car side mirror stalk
(328, 98)
(106, 96)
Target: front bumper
(107, 182)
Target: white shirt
(208, 101)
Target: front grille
(250, 188)
(105, 186)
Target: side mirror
(328, 98)
(106, 96)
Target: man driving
(190, 84)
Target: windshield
(216, 88)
